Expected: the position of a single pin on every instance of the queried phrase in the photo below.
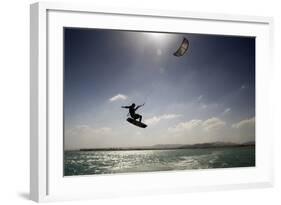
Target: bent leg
(138, 116)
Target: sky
(207, 95)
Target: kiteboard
(137, 123)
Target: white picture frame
(47, 182)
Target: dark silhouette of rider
(132, 110)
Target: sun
(156, 36)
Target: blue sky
(207, 95)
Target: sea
(127, 161)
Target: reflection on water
(105, 162)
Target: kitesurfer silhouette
(132, 110)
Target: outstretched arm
(125, 107)
(139, 106)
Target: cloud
(244, 123)
(156, 119)
(198, 131)
(87, 130)
(213, 124)
(102, 130)
(203, 106)
(118, 97)
(227, 110)
(84, 136)
(245, 130)
(189, 125)
(200, 102)
(207, 125)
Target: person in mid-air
(132, 110)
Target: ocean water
(107, 162)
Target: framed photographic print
(127, 102)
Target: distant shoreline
(196, 146)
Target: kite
(183, 48)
